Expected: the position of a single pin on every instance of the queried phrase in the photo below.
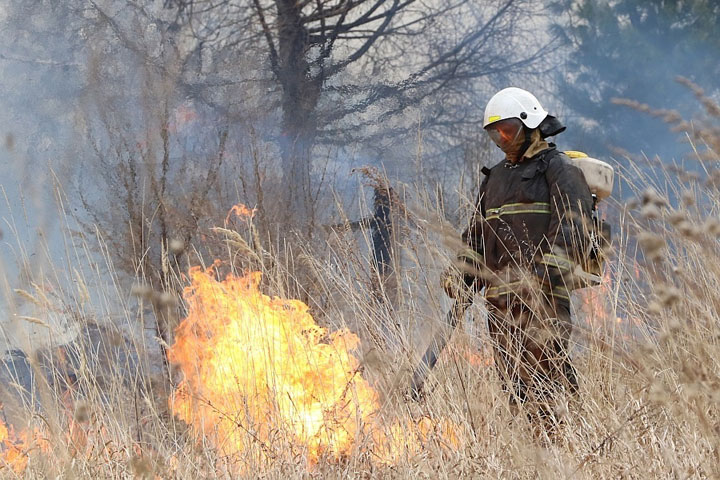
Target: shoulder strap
(548, 156)
(485, 171)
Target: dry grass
(647, 347)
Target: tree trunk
(300, 95)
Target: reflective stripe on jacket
(531, 216)
(495, 292)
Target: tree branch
(268, 38)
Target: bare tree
(349, 70)
(338, 72)
(145, 193)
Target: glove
(457, 285)
(548, 275)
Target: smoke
(94, 94)
(41, 74)
(634, 50)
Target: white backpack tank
(599, 176)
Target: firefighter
(524, 241)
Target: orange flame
(596, 302)
(17, 446)
(241, 211)
(478, 359)
(260, 375)
(12, 454)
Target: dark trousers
(530, 347)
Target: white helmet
(514, 102)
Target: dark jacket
(532, 216)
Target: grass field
(265, 388)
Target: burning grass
(264, 389)
(260, 377)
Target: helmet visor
(505, 132)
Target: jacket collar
(537, 145)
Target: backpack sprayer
(599, 176)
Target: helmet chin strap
(526, 143)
